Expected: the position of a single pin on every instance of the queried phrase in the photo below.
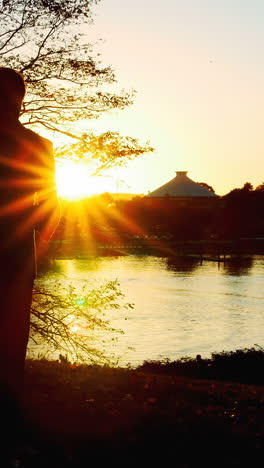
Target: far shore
(218, 250)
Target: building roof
(181, 186)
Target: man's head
(12, 92)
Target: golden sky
(198, 70)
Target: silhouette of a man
(27, 199)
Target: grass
(183, 413)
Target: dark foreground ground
(82, 416)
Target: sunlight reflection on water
(182, 307)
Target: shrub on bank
(243, 365)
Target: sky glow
(198, 70)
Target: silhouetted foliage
(242, 365)
(208, 187)
(242, 213)
(42, 39)
(104, 151)
(73, 322)
(66, 82)
(247, 187)
(260, 188)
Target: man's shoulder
(36, 139)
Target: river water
(182, 307)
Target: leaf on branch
(106, 150)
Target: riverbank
(153, 245)
(78, 415)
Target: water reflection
(183, 263)
(238, 266)
(182, 307)
(48, 265)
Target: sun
(74, 181)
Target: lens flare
(74, 181)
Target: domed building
(181, 208)
(181, 191)
(182, 187)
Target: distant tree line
(241, 213)
(103, 220)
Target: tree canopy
(47, 41)
(208, 187)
